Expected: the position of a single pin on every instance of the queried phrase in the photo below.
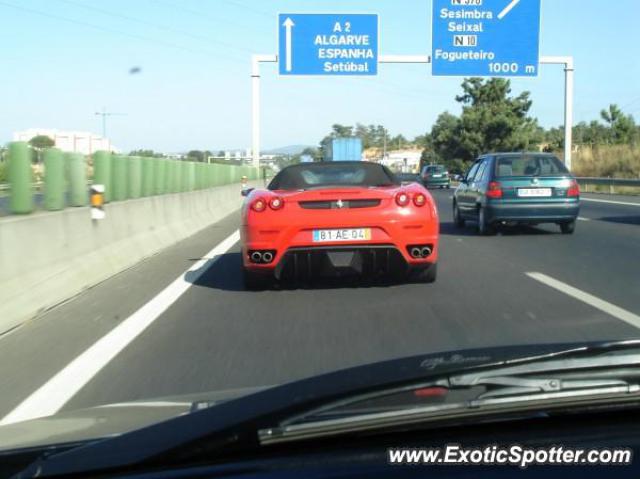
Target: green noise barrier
(20, 178)
(54, 182)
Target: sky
(64, 60)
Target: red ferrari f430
(338, 219)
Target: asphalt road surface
(155, 331)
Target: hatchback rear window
(529, 165)
(435, 169)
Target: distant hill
(287, 150)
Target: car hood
(169, 422)
(77, 426)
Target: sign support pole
(426, 59)
(255, 103)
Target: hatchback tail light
(402, 199)
(494, 190)
(574, 189)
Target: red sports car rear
(338, 219)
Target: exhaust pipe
(267, 257)
(425, 252)
(256, 256)
(416, 252)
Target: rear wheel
(254, 281)
(457, 219)
(568, 228)
(484, 227)
(428, 275)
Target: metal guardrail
(609, 181)
(612, 183)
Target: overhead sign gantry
(328, 44)
(486, 37)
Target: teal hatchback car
(435, 176)
(517, 188)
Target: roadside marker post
(97, 202)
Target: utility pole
(384, 149)
(104, 114)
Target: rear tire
(568, 228)
(484, 227)
(254, 281)
(428, 275)
(457, 219)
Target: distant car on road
(338, 219)
(435, 176)
(517, 188)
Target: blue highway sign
(486, 37)
(328, 44)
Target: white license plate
(348, 234)
(534, 192)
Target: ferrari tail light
(259, 205)
(419, 200)
(276, 203)
(495, 190)
(402, 199)
(574, 189)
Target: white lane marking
(611, 202)
(508, 8)
(602, 305)
(55, 393)
(580, 218)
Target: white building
(405, 161)
(72, 141)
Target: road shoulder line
(58, 390)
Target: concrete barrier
(46, 258)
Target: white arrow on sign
(288, 24)
(507, 9)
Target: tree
(195, 155)
(492, 120)
(611, 115)
(622, 127)
(398, 141)
(313, 153)
(341, 131)
(41, 142)
(444, 136)
(146, 153)
(554, 138)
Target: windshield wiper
(548, 384)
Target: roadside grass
(608, 161)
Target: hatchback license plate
(348, 234)
(534, 192)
